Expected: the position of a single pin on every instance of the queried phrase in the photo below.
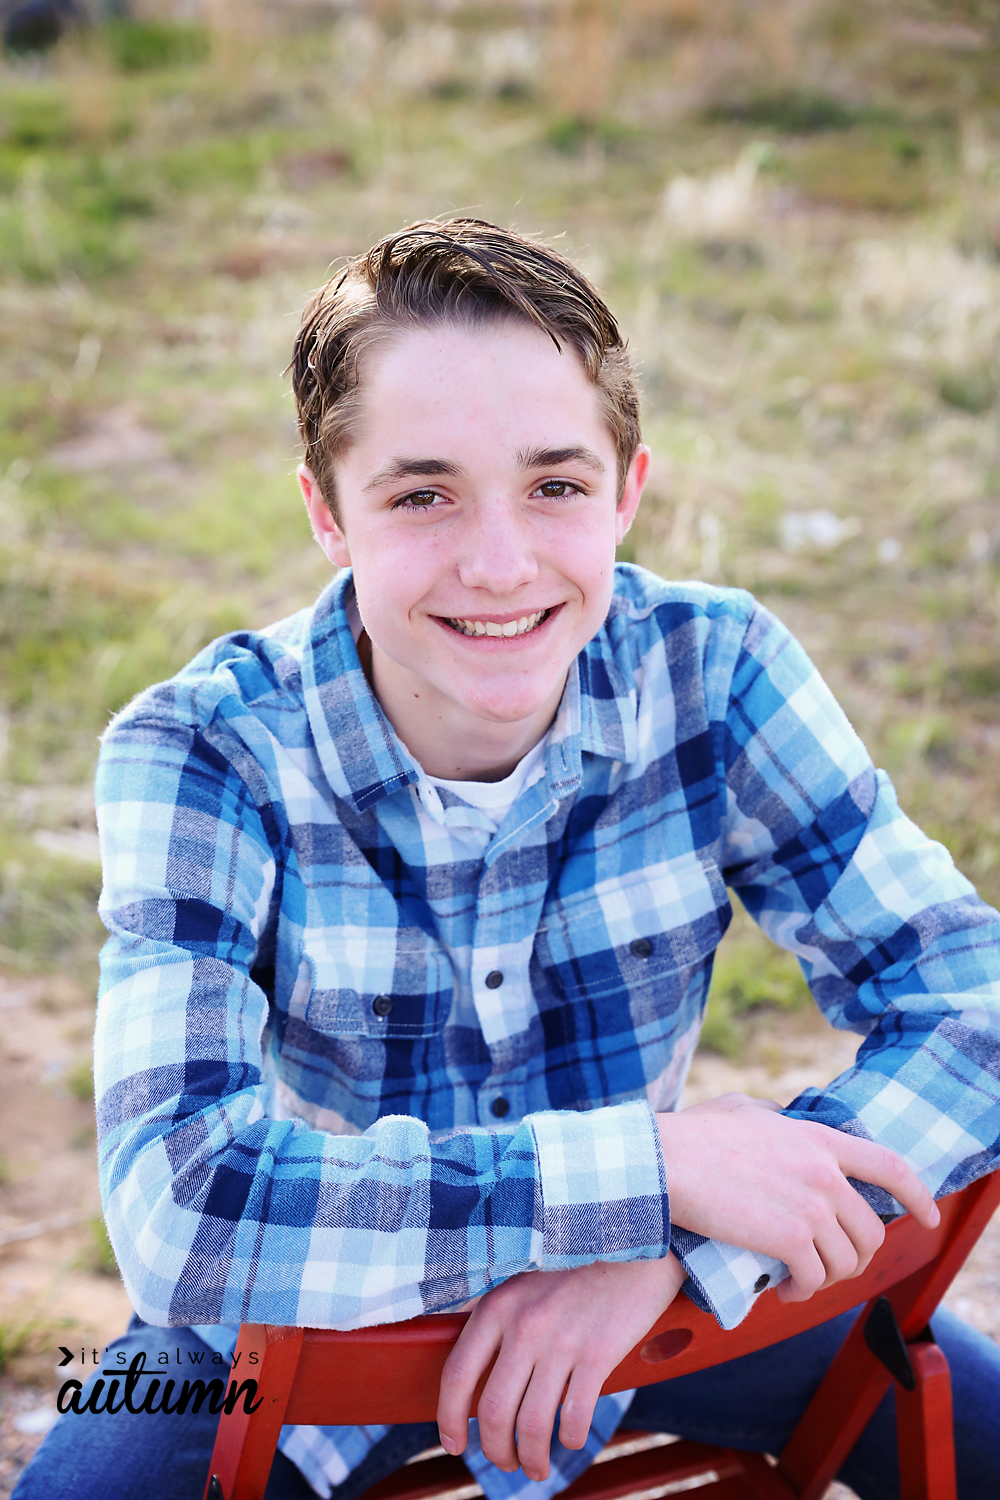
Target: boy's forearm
(198, 1181)
(892, 939)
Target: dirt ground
(52, 1279)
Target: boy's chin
(498, 693)
(505, 708)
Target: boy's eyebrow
(548, 458)
(534, 458)
(417, 468)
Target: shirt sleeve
(893, 941)
(219, 1213)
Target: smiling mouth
(510, 628)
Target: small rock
(39, 1420)
(820, 530)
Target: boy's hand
(548, 1329)
(740, 1172)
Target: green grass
(974, 391)
(751, 978)
(866, 171)
(80, 1082)
(75, 646)
(17, 1336)
(147, 46)
(47, 233)
(97, 1255)
(48, 906)
(793, 112)
(34, 118)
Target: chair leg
(925, 1428)
(840, 1410)
(245, 1443)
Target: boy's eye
(417, 500)
(556, 489)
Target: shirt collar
(609, 698)
(364, 761)
(361, 757)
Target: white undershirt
(496, 798)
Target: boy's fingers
(578, 1408)
(918, 1201)
(846, 1250)
(498, 1410)
(863, 1228)
(838, 1253)
(473, 1351)
(878, 1165)
(808, 1274)
(536, 1417)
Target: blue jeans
(751, 1403)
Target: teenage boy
(413, 901)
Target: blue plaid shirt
(351, 1068)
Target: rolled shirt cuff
(603, 1185)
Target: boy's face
(478, 510)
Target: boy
(413, 902)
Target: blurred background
(793, 206)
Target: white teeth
(509, 628)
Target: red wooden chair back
(391, 1374)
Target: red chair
(391, 1374)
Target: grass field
(794, 209)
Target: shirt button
(640, 947)
(493, 981)
(762, 1282)
(500, 1106)
(382, 1005)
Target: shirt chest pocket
(380, 983)
(633, 931)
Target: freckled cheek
(386, 595)
(592, 568)
(403, 590)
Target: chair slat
(626, 1474)
(428, 1476)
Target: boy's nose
(497, 549)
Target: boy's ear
(324, 528)
(635, 479)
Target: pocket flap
(626, 931)
(389, 984)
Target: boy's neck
(447, 740)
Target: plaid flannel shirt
(350, 1068)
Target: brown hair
(463, 271)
